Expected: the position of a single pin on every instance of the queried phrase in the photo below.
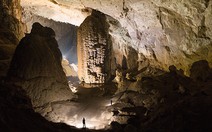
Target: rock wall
(36, 67)
(165, 32)
(11, 31)
(10, 17)
(94, 49)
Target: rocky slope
(166, 101)
(36, 67)
(17, 115)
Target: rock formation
(166, 32)
(11, 31)
(10, 17)
(17, 114)
(36, 67)
(94, 49)
(200, 71)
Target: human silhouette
(83, 122)
(111, 102)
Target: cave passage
(66, 35)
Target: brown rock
(200, 71)
(94, 49)
(37, 66)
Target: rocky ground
(169, 102)
(164, 101)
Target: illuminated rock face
(11, 31)
(36, 67)
(166, 32)
(10, 17)
(94, 49)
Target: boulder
(36, 67)
(200, 71)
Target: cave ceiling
(165, 31)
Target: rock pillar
(94, 49)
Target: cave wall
(11, 31)
(94, 49)
(10, 17)
(164, 32)
(36, 67)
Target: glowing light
(101, 121)
(71, 86)
(91, 124)
(74, 66)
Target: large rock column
(94, 49)
(36, 67)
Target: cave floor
(93, 104)
(94, 107)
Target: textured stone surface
(17, 114)
(11, 31)
(200, 71)
(10, 17)
(36, 67)
(166, 32)
(94, 49)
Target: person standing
(83, 122)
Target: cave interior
(107, 66)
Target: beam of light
(64, 57)
(74, 66)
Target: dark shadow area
(169, 102)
